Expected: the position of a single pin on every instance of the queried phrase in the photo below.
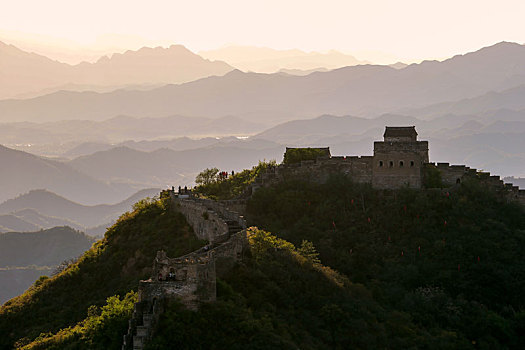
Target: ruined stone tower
(398, 159)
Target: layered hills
(25, 74)
(359, 90)
(39, 209)
(22, 171)
(57, 138)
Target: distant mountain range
(26, 256)
(42, 209)
(173, 167)
(364, 90)
(22, 171)
(56, 138)
(24, 74)
(511, 99)
(267, 60)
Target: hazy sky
(409, 29)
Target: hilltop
(351, 266)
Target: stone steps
(138, 335)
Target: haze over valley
(184, 145)
(97, 133)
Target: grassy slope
(114, 265)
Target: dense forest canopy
(331, 266)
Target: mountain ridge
(18, 172)
(52, 205)
(365, 90)
(27, 73)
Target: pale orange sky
(407, 29)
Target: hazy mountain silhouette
(44, 222)
(302, 72)
(177, 144)
(175, 64)
(267, 60)
(74, 138)
(22, 72)
(359, 90)
(43, 248)
(123, 128)
(26, 256)
(513, 99)
(28, 73)
(22, 171)
(10, 222)
(14, 281)
(44, 205)
(165, 166)
(304, 131)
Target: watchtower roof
(400, 131)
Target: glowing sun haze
(407, 29)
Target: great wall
(398, 161)
(190, 278)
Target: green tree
(307, 250)
(207, 176)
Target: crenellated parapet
(452, 175)
(399, 161)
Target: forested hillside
(338, 266)
(111, 268)
(451, 261)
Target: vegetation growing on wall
(296, 155)
(432, 177)
(233, 185)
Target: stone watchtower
(398, 160)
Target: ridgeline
(331, 266)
